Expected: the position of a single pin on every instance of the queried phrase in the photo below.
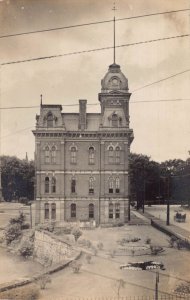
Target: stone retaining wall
(50, 249)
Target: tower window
(47, 155)
(46, 211)
(53, 185)
(110, 155)
(91, 155)
(73, 186)
(47, 185)
(114, 120)
(73, 155)
(73, 210)
(53, 211)
(91, 185)
(117, 155)
(50, 120)
(110, 211)
(53, 154)
(91, 211)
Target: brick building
(82, 158)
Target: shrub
(100, 246)
(26, 248)
(148, 241)
(77, 233)
(183, 288)
(25, 226)
(172, 241)
(76, 266)
(155, 250)
(12, 232)
(88, 258)
(18, 220)
(43, 281)
(29, 292)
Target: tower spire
(114, 9)
(41, 100)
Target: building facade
(82, 158)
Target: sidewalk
(170, 230)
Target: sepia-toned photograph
(94, 149)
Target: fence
(160, 297)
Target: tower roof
(114, 79)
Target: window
(53, 185)
(110, 211)
(50, 120)
(46, 212)
(117, 155)
(91, 185)
(91, 211)
(73, 155)
(53, 211)
(73, 210)
(47, 185)
(117, 210)
(117, 185)
(114, 120)
(111, 186)
(73, 186)
(91, 155)
(47, 154)
(53, 154)
(110, 155)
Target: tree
(17, 178)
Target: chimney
(82, 114)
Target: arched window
(47, 154)
(110, 211)
(50, 120)
(73, 185)
(53, 211)
(114, 120)
(73, 155)
(117, 210)
(73, 210)
(110, 185)
(91, 211)
(47, 185)
(53, 154)
(117, 155)
(91, 155)
(110, 155)
(53, 185)
(46, 211)
(117, 185)
(91, 185)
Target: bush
(29, 292)
(148, 241)
(76, 266)
(18, 220)
(12, 232)
(25, 226)
(183, 289)
(43, 281)
(100, 246)
(155, 250)
(26, 248)
(88, 258)
(77, 233)
(85, 243)
(172, 241)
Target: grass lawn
(100, 277)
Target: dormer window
(50, 120)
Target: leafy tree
(17, 178)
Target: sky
(161, 129)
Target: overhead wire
(91, 23)
(92, 50)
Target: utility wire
(95, 104)
(91, 23)
(93, 50)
